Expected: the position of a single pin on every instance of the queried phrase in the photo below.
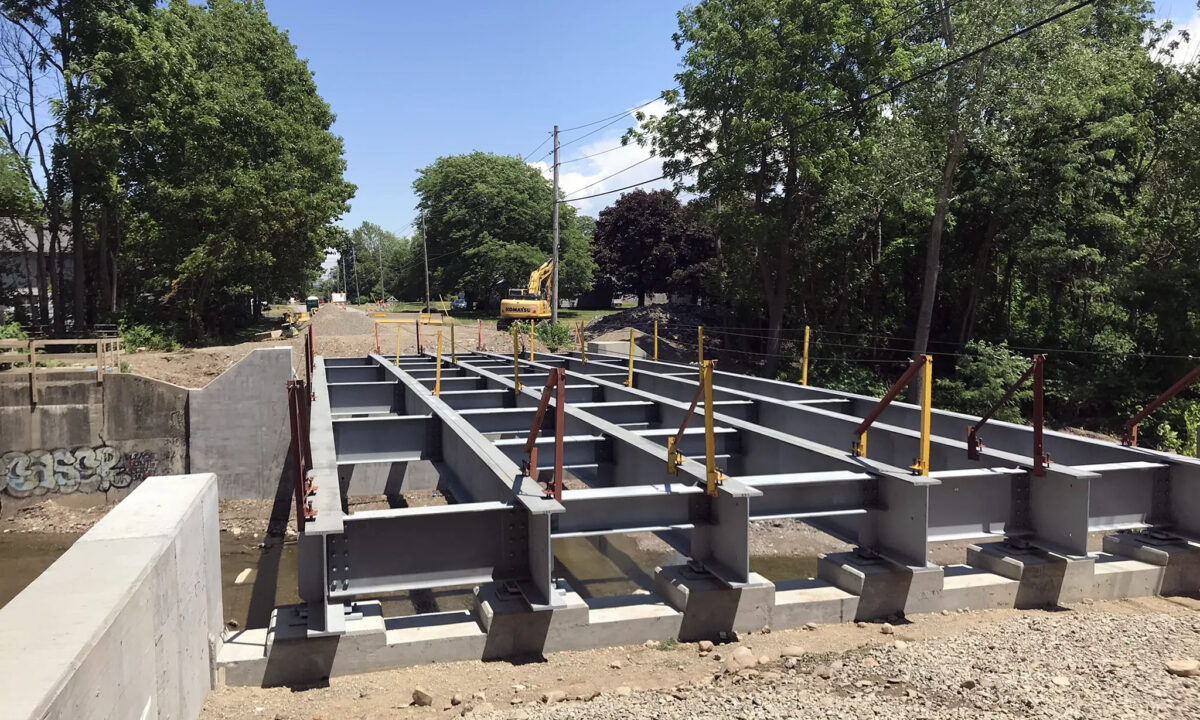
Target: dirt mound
(675, 322)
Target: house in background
(25, 272)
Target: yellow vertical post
(582, 344)
(397, 343)
(711, 474)
(437, 383)
(453, 357)
(376, 336)
(516, 361)
(700, 341)
(629, 377)
(804, 371)
(655, 341)
(921, 467)
(532, 323)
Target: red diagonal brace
(887, 399)
(301, 453)
(555, 383)
(1040, 459)
(1131, 426)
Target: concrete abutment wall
(127, 623)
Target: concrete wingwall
(239, 428)
(84, 438)
(127, 623)
(96, 441)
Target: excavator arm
(540, 277)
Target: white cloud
(592, 176)
(1188, 50)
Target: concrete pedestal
(884, 588)
(711, 607)
(1179, 559)
(516, 630)
(1044, 578)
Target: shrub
(982, 374)
(136, 337)
(12, 331)
(553, 335)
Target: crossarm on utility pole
(1131, 434)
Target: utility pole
(425, 246)
(382, 292)
(554, 257)
(354, 258)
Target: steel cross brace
(1131, 432)
(556, 384)
(1040, 458)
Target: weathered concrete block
(711, 607)
(1179, 558)
(884, 588)
(1045, 578)
(803, 601)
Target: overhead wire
(858, 102)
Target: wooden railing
(31, 357)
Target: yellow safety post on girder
(924, 365)
(397, 344)
(376, 337)
(655, 341)
(582, 344)
(532, 323)
(712, 475)
(437, 383)
(804, 370)
(453, 357)
(700, 341)
(516, 362)
(629, 377)
(921, 465)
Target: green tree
(488, 225)
(234, 183)
(752, 129)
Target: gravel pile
(1059, 665)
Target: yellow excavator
(529, 302)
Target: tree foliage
(487, 221)
(191, 166)
(1041, 194)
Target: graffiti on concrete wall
(97, 469)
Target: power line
(623, 113)
(592, 155)
(525, 158)
(861, 101)
(606, 177)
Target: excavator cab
(530, 302)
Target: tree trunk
(42, 278)
(103, 279)
(933, 250)
(641, 298)
(981, 258)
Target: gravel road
(1056, 665)
(1092, 660)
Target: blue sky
(414, 80)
